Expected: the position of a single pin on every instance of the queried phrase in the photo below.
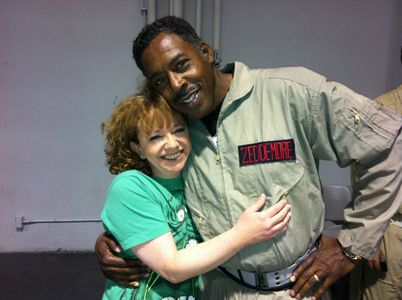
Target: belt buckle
(261, 280)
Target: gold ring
(316, 277)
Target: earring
(142, 156)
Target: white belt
(269, 281)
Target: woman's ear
(207, 53)
(137, 149)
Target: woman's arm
(253, 227)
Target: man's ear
(207, 53)
(137, 149)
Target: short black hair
(169, 24)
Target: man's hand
(126, 272)
(322, 267)
(378, 263)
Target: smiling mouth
(189, 98)
(173, 156)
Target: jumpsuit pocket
(200, 220)
(279, 179)
(373, 124)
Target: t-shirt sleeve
(133, 213)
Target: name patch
(266, 152)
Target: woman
(147, 146)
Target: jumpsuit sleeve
(347, 127)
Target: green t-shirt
(139, 208)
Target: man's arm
(127, 272)
(348, 127)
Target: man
(264, 131)
(382, 276)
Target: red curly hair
(131, 114)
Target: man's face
(181, 73)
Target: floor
(66, 276)
(50, 276)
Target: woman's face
(166, 149)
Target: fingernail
(292, 278)
(292, 293)
(117, 250)
(298, 296)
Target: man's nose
(176, 81)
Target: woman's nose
(171, 141)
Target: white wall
(353, 42)
(62, 66)
(64, 63)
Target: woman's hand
(256, 225)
